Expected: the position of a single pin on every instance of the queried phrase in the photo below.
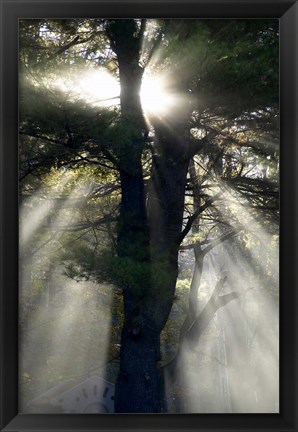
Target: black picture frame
(11, 11)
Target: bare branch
(75, 41)
(192, 218)
(219, 240)
(83, 226)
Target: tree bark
(151, 242)
(165, 210)
(138, 381)
(137, 388)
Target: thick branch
(195, 330)
(216, 302)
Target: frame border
(10, 12)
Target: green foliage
(49, 111)
(229, 64)
(132, 275)
(141, 277)
(162, 274)
(83, 263)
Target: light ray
(240, 319)
(97, 87)
(247, 328)
(57, 328)
(39, 209)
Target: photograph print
(148, 216)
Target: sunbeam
(57, 324)
(97, 87)
(239, 350)
(101, 89)
(39, 209)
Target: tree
(207, 143)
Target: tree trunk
(138, 380)
(149, 244)
(137, 384)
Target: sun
(155, 98)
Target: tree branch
(197, 144)
(200, 323)
(193, 217)
(142, 31)
(219, 240)
(83, 226)
(216, 302)
(75, 41)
